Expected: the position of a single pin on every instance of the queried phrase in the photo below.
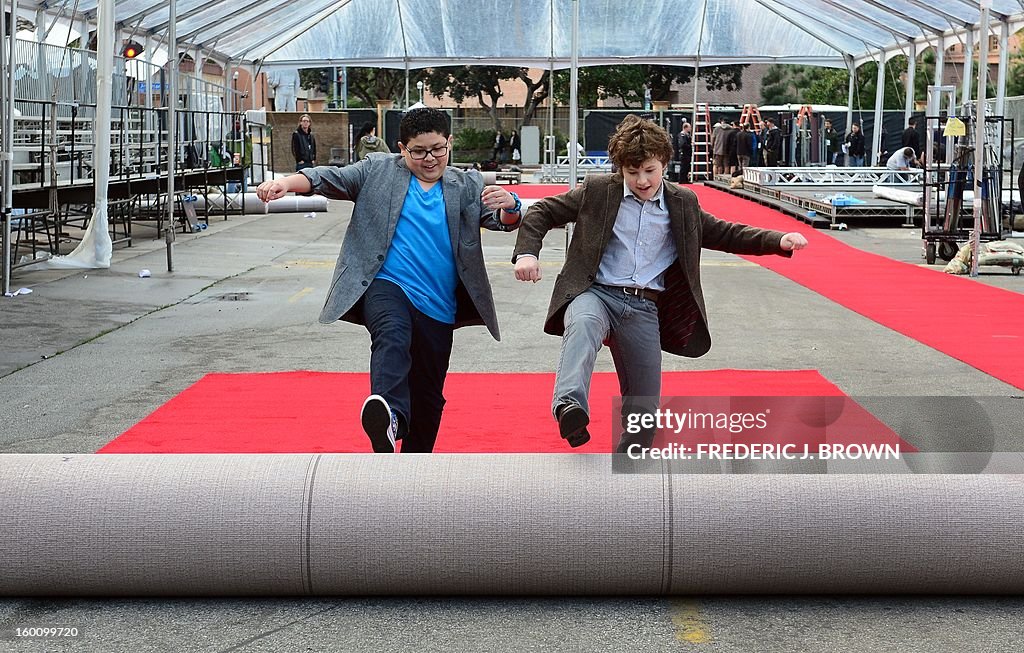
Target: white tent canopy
(423, 33)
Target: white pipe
(908, 105)
(149, 46)
(940, 61)
(96, 248)
(573, 96)
(1004, 45)
(229, 88)
(172, 130)
(550, 158)
(849, 94)
(7, 142)
(253, 204)
(965, 90)
(696, 74)
(550, 138)
(252, 87)
(979, 136)
(876, 133)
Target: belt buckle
(632, 291)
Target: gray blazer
(377, 185)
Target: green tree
(1015, 73)
(484, 84)
(309, 78)
(812, 85)
(313, 78)
(627, 83)
(367, 85)
(372, 84)
(595, 83)
(536, 93)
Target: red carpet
(538, 191)
(304, 412)
(972, 322)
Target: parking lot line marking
(299, 295)
(689, 623)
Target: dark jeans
(409, 355)
(684, 170)
(302, 166)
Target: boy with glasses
(411, 269)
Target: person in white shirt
(902, 159)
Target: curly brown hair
(637, 140)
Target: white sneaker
(379, 423)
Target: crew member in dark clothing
(744, 145)
(730, 147)
(685, 152)
(910, 136)
(855, 146)
(1020, 186)
(772, 144)
(304, 144)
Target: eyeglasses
(437, 153)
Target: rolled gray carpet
(490, 524)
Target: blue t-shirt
(420, 260)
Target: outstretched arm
(739, 238)
(542, 217)
(272, 189)
(333, 183)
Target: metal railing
(54, 142)
(831, 175)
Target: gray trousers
(630, 326)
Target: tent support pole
(876, 132)
(908, 106)
(979, 138)
(172, 131)
(1004, 44)
(849, 94)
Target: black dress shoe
(572, 425)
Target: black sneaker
(572, 425)
(379, 423)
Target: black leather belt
(643, 293)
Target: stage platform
(811, 203)
(82, 191)
(37, 228)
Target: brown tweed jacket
(593, 207)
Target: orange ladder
(701, 162)
(751, 115)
